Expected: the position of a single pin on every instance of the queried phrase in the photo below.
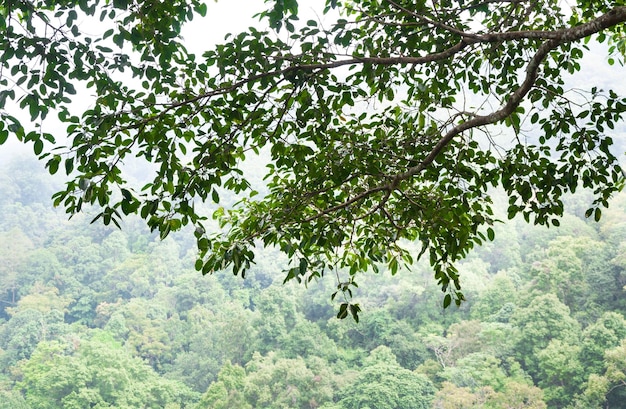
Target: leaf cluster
(364, 125)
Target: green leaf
(303, 265)
(202, 9)
(393, 266)
(69, 165)
(38, 146)
(343, 311)
(354, 311)
(53, 165)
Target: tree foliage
(384, 384)
(366, 124)
(95, 373)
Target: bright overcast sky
(235, 16)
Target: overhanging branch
(610, 19)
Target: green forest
(92, 316)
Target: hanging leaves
(364, 125)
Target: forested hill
(92, 316)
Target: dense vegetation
(92, 316)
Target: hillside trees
(95, 372)
(545, 319)
(385, 384)
(208, 342)
(376, 128)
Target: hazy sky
(235, 16)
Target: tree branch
(612, 18)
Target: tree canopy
(391, 124)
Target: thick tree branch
(554, 39)
(347, 203)
(610, 19)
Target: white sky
(235, 16)
(223, 17)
